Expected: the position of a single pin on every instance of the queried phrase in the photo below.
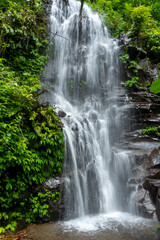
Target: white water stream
(84, 79)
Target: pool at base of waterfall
(113, 226)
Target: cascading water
(83, 74)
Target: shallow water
(113, 226)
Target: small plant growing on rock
(151, 131)
(133, 82)
(124, 58)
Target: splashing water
(83, 74)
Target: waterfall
(83, 75)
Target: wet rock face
(157, 235)
(47, 7)
(153, 187)
(144, 112)
(147, 70)
(56, 209)
(145, 207)
(155, 158)
(146, 152)
(135, 51)
(53, 183)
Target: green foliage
(155, 87)
(108, 10)
(151, 40)
(151, 131)
(154, 5)
(156, 10)
(140, 17)
(124, 58)
(31, 138)
(133, 82)
(22, 25)
(132, 65)
(83, 84)
(37, 206)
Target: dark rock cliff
(144, 111)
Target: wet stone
(53, 183)
(157, 234)
(61, 114)
(144, 204)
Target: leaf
(155, 87)
(9, 186)
(2, 230)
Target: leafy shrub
(151, 41)
(32, 147)
(133, 82)
(124, 58)
(31, 137)
(139, 16)
(151, 131)
(132, 65)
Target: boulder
(145, 207)
(154, 158)
(53, 183)
(143, 64)
(61, 114)
(125, 39)
(153, 186)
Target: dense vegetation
(141, 20)
(31, 138)
(151, 131)
(140, 17)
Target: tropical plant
(31, 137)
